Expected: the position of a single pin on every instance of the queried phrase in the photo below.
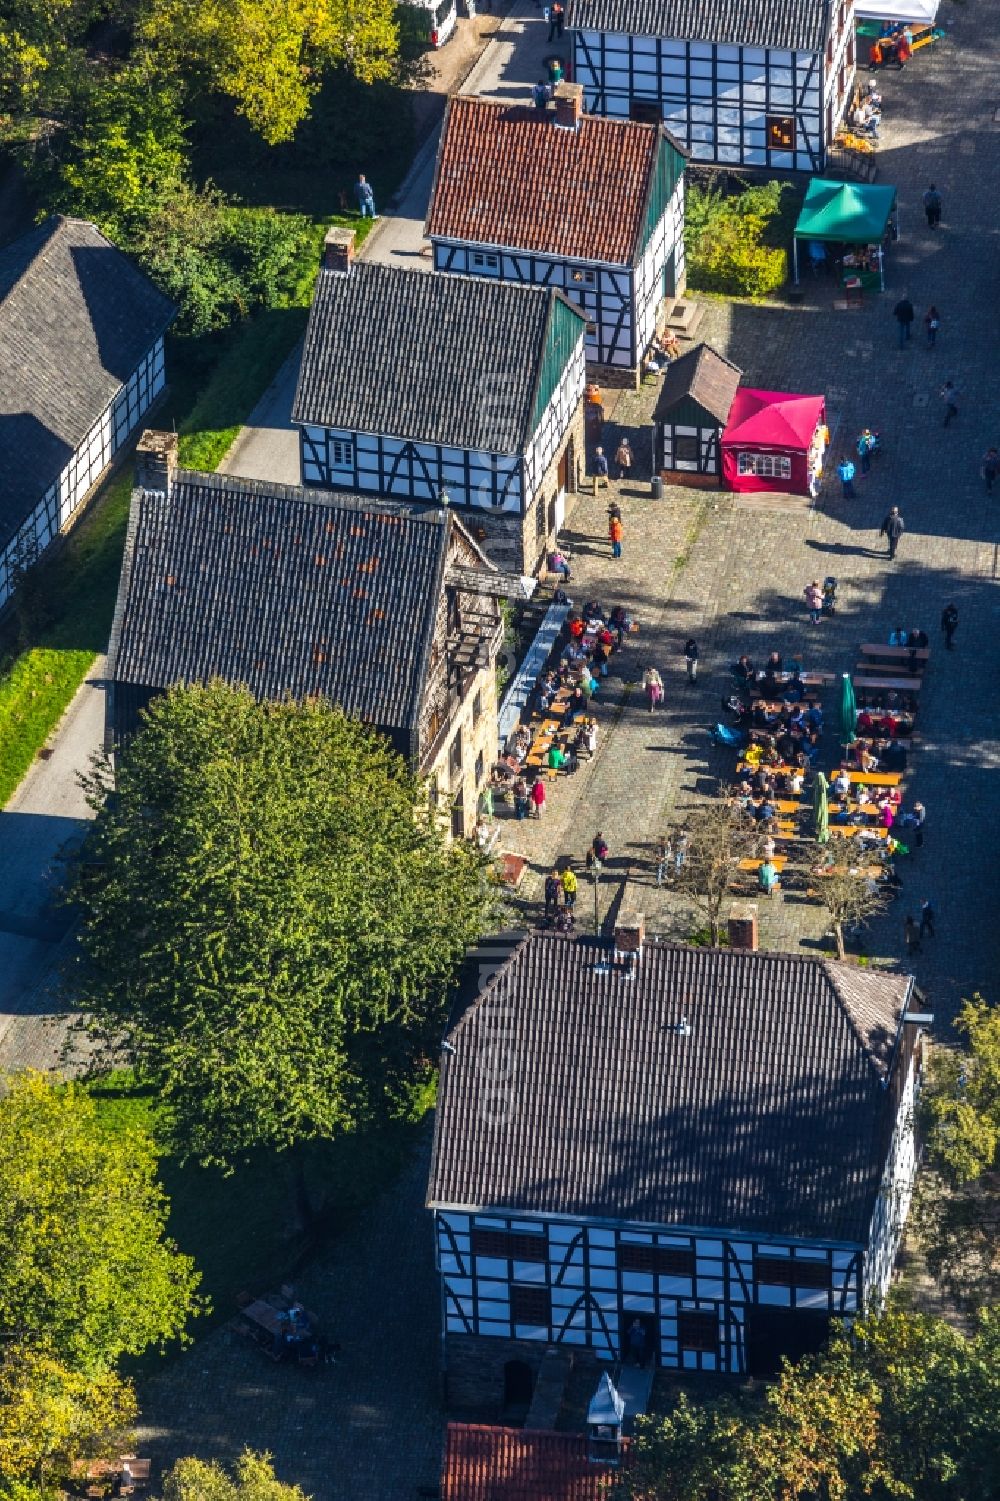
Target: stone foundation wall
(474, 1368)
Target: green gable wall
(565, 328)
(669, 168)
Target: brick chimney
(743, 926)
(156, 461)
(569, 105)
(338, 250)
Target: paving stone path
(732, 573)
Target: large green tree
(269, 56)
(253, 1479)
(958, 1203)
(51, 1415)
(274, 920)
(85, 1268)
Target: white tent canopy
(916, 12)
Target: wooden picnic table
(264, 1315)
(848, 831)
(873, 872)
(778, 861)
(870, 778)
(889, 685)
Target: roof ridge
(350, 500)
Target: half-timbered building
(429, 388)
(81, 362)
(716, 1143)
(742, 85)
(557, 198)
(690, 414)
(388, 611)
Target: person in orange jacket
(615, 533)
(875, 54)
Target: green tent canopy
(849, 213)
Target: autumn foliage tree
(720, 835)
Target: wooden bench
(778, 861)
(894, 654)
(850, 831)
(871, 778)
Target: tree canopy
(50, 1415)
(275, 919)
(958, 1202)
(253, 1479)
(904, 1405)
(85, 1268)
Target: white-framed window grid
(765, 465)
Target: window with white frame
(765, 465)
(341, 453)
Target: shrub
(726, 241)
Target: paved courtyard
(732, 575)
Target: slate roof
(771, 1115)
(705, 376)
(285, 590)
(515, 1464)
(76, 318)
(798, 24)
(439, 359)
(507, 175)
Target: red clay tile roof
(512, 1464)
(507, 175)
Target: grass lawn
(48, 644)
(237, 1227)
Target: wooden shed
(690, 414)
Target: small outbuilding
(692, 410)
(774, 440)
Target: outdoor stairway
(683, 317)
(550, 1389)
(634, 1384)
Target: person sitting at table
(760, 781)
(796, 779)
(867, 759)
(575, 625)
(795, 688)
(744, 671)
(621, 623)
(814, 715)
(592, 610)
(559, 564)
(865, 722)
(764, 718)
(899, 637)
(768, 686)
(842, 783)
(888, 725)
(578, 703)
(918, 639)
(766, 812)
(767, 876)
(786, 745)
(556, 756)
(774, 665)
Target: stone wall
(474, 1369)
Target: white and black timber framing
(732, 95)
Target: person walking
(365, 196)
(866, 447)
(569, 885)
(691, 659)
(932, 207)
(892, 529)
(990, 468)
(653, 684)
(615, 534)
(911, 936)
(926, 918)
(664, 857)
(623, 458)
(553, 891)
(537, 796)
(932, 322)
(949, 624)
(814, 600)
(600, 469)
(949, 395)
(904, 316)
(558, 18)
(680, 853)
(540, 94)
(846, 473)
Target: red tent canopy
(766, 442)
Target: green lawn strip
(238, 1227)
(48, 646)
(33, 697)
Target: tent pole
(795, 259)
(881, 266)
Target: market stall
(858, 217)
(774, 440)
